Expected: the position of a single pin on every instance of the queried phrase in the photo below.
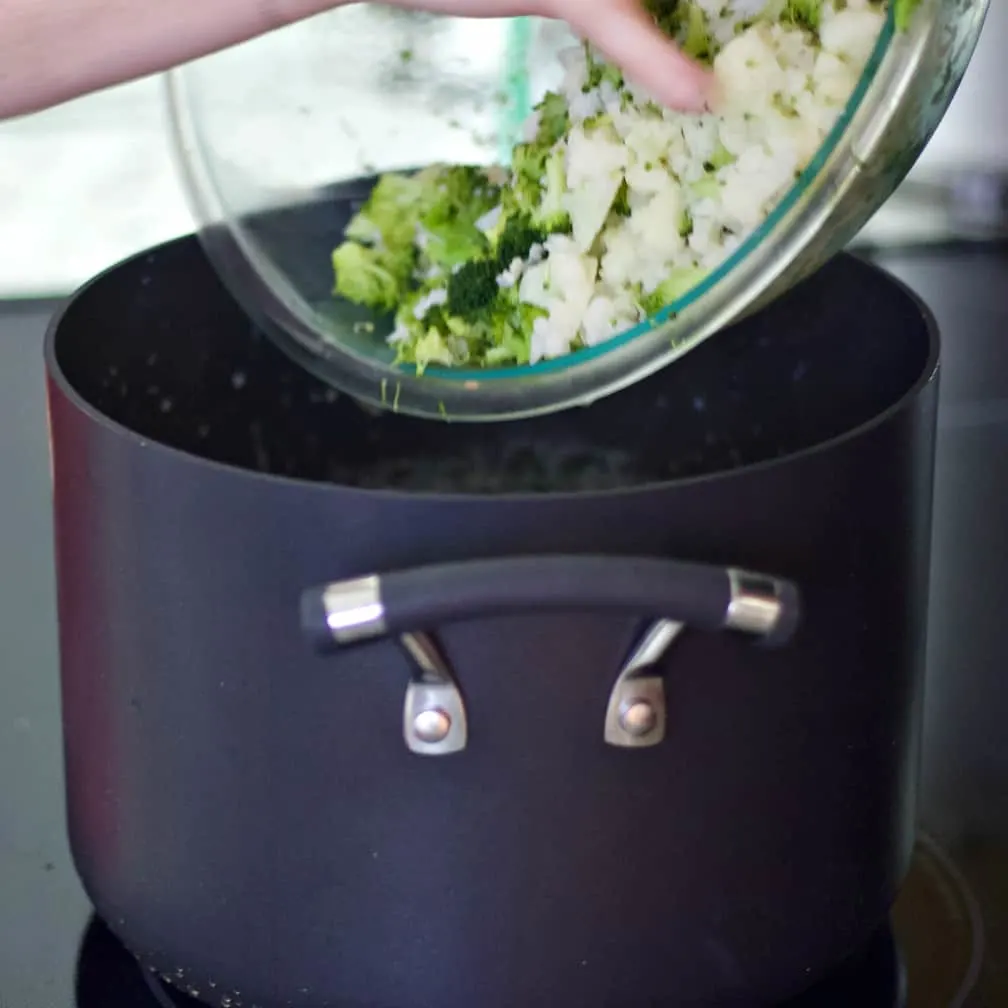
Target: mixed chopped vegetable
(612, 207)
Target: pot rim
(56, 377)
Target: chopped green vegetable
(721, 158)
(668, 15)
(460, 196)
(554, 119)
(473, 288)
(375, 265)
(679, 283)
(517, 239)
(528, 166)
(697, 42)
(621, 205)
(364, 277)
(391, 211)
(551, 214)
(431, 349)
(805, 14)
(600, 72)
(706, 188)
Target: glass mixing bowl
(305, 117)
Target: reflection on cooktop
(109, 977)
(874, 978)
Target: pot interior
(158, 346)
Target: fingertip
(629, 37)
(692, 89)
(714, 94)
(683, 85)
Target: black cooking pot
(369, 711)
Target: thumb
(626, 34)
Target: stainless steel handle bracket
(636, 716)
(434, 713)
(354, 610)
(755, 605)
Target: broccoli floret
(517, 239)
(528, 160)
(427, 344)
(458, 191)
(473, 288)
(390, 212)
(454, 199)
(522, 197)
(449, 245)
(375, 264)
(363, 230)
(534, 165)
(554, 119)
(363, 276)
(507, 345)
(494, 232)
(507, 337)
(550, 215)
(528, 166)
(431, 349)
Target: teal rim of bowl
(515, 91)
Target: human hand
(53, 50)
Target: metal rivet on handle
(432, 726)
(638, 718)
(434, 713)
(636, 715)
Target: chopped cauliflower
(612, 207)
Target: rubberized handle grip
(701, 596)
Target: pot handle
(701, 596)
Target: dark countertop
(964, 800)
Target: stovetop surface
(951, 922)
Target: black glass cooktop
(947, 946)
(108, 977)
